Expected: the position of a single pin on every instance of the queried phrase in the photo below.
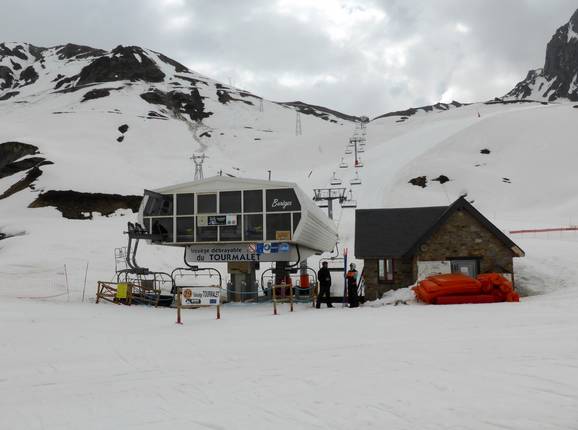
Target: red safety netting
(455, 288)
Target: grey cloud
(411, 57)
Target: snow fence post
(179, 307)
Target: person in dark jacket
(324, 278)
(352, 295)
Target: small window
(296, 219)
(164, 227)
(185, 204)
(159, 206)
(282, 200)
(207, 203)
(253, 201)
(253, 227)
(231, 233)
(229, 202)
(279, 227)
(147, 224)
(206, 234)
(385, 270)
(186, 229)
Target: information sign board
(200, 296)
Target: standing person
(324, 278)
(352, 295)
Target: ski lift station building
(230, 220)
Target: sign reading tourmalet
(222, 253)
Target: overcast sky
(357, 56)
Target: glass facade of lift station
(224, 216)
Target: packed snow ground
(70, 365)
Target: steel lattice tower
(298, 129)
(199, 160)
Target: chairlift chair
(335, 180)
(356, 179)
(350, 202)
(361, 149)
(359, 163)
(348, 151)
(343, 164)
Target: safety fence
(565, 233)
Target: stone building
(401, 245)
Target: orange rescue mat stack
(455, 288)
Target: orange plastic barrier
(456, 288)
(459, 300)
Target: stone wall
(402, 276)
(463, 236)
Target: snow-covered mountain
(559, 76)
(130, 105)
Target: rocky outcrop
(77, 205)
(320, 111)
(128, 63)
(559, 76)
(28, 76)
(179, 103)
(70, 51)
(22, 165)
(23, 183)
(429, 108)
(12, 151)
(6, 77)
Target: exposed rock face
(23, 183)
(18, 51)
(76, 205)
(179, 68)
(319, 111)
(6, 77)
(179, 103)
(442, 179)
(98, 93)
(19, 166)
(22, 64)
(125, 63)
(28, 75)
(12, 151)
(225, 97)
(419, 181)
(429, 108)
(70, 50)
(559, 76)
(9, 94)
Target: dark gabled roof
(398, 232)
